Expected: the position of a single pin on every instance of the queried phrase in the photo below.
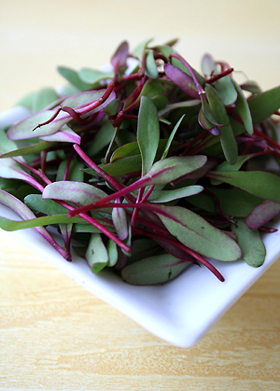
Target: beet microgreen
(149, 165)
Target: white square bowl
(181, 311)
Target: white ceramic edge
(180, 312)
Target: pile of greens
(148, 167)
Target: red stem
(220, 75)
(188, 250)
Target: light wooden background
(53, 334)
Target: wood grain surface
(54, 335)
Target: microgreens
(149, 166)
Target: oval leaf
(153, 270)
(196, 233)
(253, 250)
(262, 214)
(182, 80)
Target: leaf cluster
(147, 167)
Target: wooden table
(53, 334)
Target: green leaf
(264, 105)
(153, 270)
(143, 248)
(162, 196)
(6, 145)
(179, 105)
(233, 202)
(153, 88)
(102, 138)
(13, 225)
(32, 149)
(261, 184)
(112, 253)
(73, 78)
(227, 138)
(207, 111)
(196, 233)
(147, 133)
(225, 166)
(251, 86)
(208, 65)
(47, 207)
(165, 50)
(43, 98)
(226, 90)
(123, 166)
(171, 137)
(253, 250)
(96, 254)
(75, 172)
(243, 109)
(151, 67)
(139, 50)
(132, 149)
(112, 108)
(94, 76)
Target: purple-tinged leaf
(162, 172)
(82, 99)
(196, 233)
(204, 122)
(208, 113)
(76, 192)
(262, 214)
(182, 80)
(66, 232)
(153, 270)
(120, 56)
(25, 128)
(175, 251)
(167, 170)
(9, 168)
(227, 137)
(64, 136)
(251, 86)
(25, 213)
(120, 222)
